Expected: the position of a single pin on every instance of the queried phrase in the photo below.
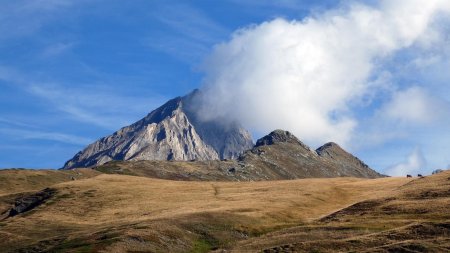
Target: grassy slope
(21, 180)
(114, 213)
(15, 183)
(413, 218)
(174, 170)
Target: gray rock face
(228, 139)
(171, 132)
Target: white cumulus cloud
(305, 75)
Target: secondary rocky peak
(329, 147)
(279, 136)
(333, 152)
(281, 153)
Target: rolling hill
(117, 213)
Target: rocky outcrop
(171, 132)
(31, 201)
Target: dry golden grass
(108, 201)
(414, 217)
(118, 213)
(20, 180)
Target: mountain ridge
(174, 132)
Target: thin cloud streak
(24, 18)
(92, 104)
(192, 33)
(14, 123)
(101, 108)
(41, 135)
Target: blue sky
(74, 71)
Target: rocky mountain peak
(170, 132)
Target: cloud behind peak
(305, 75)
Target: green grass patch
(64, 196)
(141, 227)
(85, 245)
(114, 169)
(77, 244)
(201, 246)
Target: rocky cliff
(171, 132)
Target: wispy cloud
(5, 121)
(41, 135)
(22, 18)
(190, 32)
(190, 22)
(57, 49)
(22, 130)
(95, 105)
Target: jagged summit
(170, 132)
(277, 136)
(280, 136)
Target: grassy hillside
(22, 180)
(16, 183)
(412, 218)
(117, 213)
